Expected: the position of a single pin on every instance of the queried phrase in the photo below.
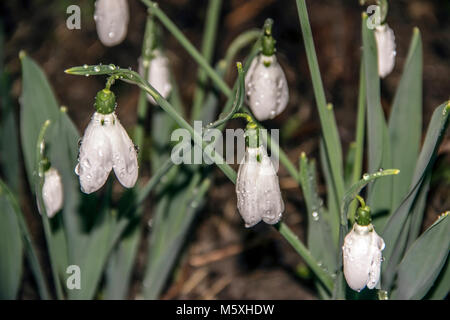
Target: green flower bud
(105, 101)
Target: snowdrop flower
(266, 87)
(106, 146)
(111, 18)
(362, 257)
(257, 188)
(158, 74)
(52, 192)
(386, 49)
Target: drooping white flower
(257, 188)
(362, 257)
(111, 18)
(158, 74)
(105, 146)
(52, 192)
(386, 49)
(266, 87)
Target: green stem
(43, 211)
(209, 37)
(325, 121)
(154, 9)
(360, 126)
(243, 40)
(297, 244)
(149, 38)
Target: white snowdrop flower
(52, 192)
(158, 74)
(105, 146)
(257, 188)
(266, 87)
(386, 49)
(111, 18)
(362, 257)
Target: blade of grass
(208, 42)
(406, 116)
(360, 127)
(40, 203)
(380, 193)
(431, 249)
(327, 121)
(395, 234)
(28, 243)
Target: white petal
(386, 49)
(158, 75)
(266, 87)
(362, 257)
(257, 189)
(111, 18)
(246, 188)
(270, 200)
(52, 192)
(95, 157)
(124, 155)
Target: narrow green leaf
(441, 286)
(380, 193)
(423, 261)
(28, 243)
(11, 250)
(320, 241)
(405, 121)
(38, 104)
(395, 234)
(327, 121)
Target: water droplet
(112, 67)
(97, 69)
(87, 74)
(315, 215)
(383, 295)
(85, 66)
(111, 34)
(366, 176)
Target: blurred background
(221, 259)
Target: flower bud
(111, 18)
(257, 188)
(266, 87)
(158, 74)
(386, 49)
(105, 146)
(362, 257)
(52, 192)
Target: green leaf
(320, 241)
(423, 261)
(120, 265)
(395, 234)
(11, 250)
(38, 104)
(441, 286)
(405, 121)
(27, 241)
(380, 193)
(326, 115)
